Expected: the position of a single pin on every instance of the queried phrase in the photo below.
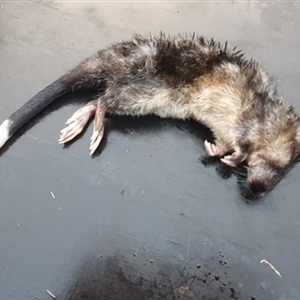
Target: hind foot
(98, 130)
(77, 122)
(234, 159)
(213, 149)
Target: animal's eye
(283, 171)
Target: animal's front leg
(99, 124)
(213, 149)
(232, 160)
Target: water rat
(184, 77)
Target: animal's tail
(85, 76)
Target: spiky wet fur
(189, 77)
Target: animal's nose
(258, 188)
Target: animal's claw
(95, 140)
(233, 159)
(213, 149)
(99, 125)
(70, 132)
(77, 122)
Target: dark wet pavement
(145, 219)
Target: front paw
(233, 159)
(213, 149)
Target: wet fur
(189, 77)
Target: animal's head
(277, 147)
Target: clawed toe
(212, 149)
(234, 159)
(229, 161)
(77, 122)
(70, 132)
(96, 140)
(99, 125)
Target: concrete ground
(145, 219)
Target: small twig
(33, 297)
(153, 152)
(50, 294)
(271, 266)
(173, 11)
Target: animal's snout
(258, 188)
(262, 178)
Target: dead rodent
(183, 77)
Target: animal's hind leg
(77, 122)
(99, 124)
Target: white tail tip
(4, 131)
